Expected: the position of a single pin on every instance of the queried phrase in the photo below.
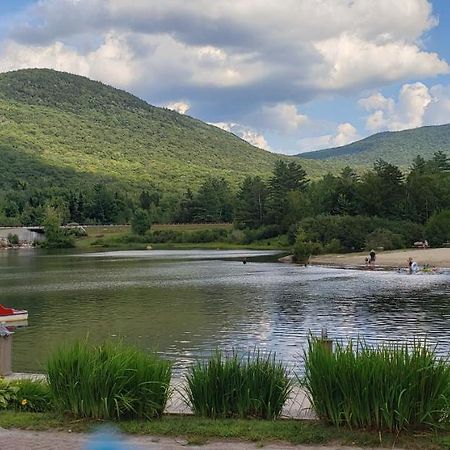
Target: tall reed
(228, 385)
(108, 381)
(391, 386)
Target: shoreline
(387, 260)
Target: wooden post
(5, 350)
(326, 341)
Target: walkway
(53, 440)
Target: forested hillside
(56, 127)
(399, 147)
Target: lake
(184, 304)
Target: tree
(437, 229)
(382, 191)
(250, 210)
(213, 202)
(141, 222)
(56, 236)
(440, 162)
(185, 210)
(286, 178)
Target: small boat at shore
(12, 315)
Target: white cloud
(244, 132)
(112, 62)
(352, 61)
(417, 105)
(345, 134)
(281, 118)
(243, 62)
(180, 107)
(285, 52)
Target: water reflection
(184, 304)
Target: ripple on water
(185, 304)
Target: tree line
(396, 206)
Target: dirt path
(439, 257)
(45, 440)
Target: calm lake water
(186, 303)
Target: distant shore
(439, 257)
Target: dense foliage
(399, 147)
(388, 387)
(108, 381)
(255, 386)
(62, 133)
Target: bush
(352, 231)
(334, 246)
(108, 381)
(13, 239)
(386, 239)
(437, 229)
(391, 387)
(188, 237)
(232, 386)
(8, 394)
(32, 396)
(259, 234)
(141, 222)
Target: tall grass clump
(229, 385)
(387, 387)
(108, 381)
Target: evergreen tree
(250, 211)
(286, 178)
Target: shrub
(233, 386)
(437, 229)
(334, 246)
(391, 387)
(385, 239)
(352, 231)
(259, 234)
(32, 396)
(108, 381)
(8, 394)
(141, 222)
(191, 237)
(13, 239)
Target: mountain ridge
(396, 147)
(56, 126)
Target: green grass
(229, 385)
(201, 430)
(32, 395)
(393, 387)
(108, 381)
(112, 236)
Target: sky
(289, 76)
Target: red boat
(12, 315)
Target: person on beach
(372, 257)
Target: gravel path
(53, 440)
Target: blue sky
(288, 76)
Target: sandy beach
(439, 257)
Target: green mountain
(58, 129)
(397, 147)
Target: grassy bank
(199, 430)
(120, 237)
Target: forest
(383, 207)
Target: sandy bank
(439, 257)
